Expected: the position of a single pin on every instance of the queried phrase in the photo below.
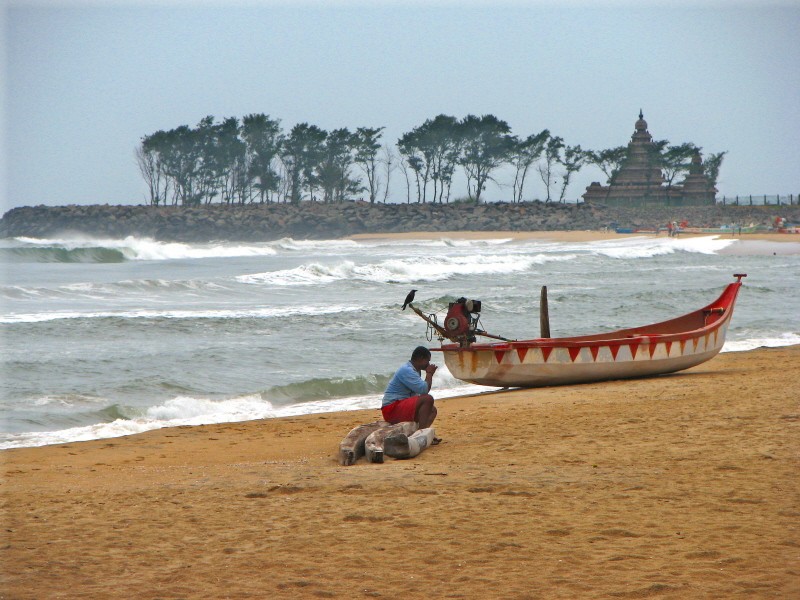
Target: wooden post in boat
(544, 314)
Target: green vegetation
(253, 160)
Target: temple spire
(639, 180)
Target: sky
(83, 82)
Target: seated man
(407, 397)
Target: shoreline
(561, 236)
(678, 486)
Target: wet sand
(681, 486)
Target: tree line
(250, 160)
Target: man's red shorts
(400, 410)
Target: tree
(431, 152)
(608, 161)
(405, 167)
(300, 153)
(416, 157)
(712, 164)
(333, 170)
(522, 155)
(208, 173)
(227, 158)
(441, 137)
(367, 145)
(675, 160)
(572, 161)
(181, 160)
(552, 157)
(389, 161)
(485, 144)
(262, 137)
(150, 161)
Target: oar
(544, 314)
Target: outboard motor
(462, 319)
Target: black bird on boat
(409, 298)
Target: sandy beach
(562, 236)
(681, 486)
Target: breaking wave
(87, 250)
(234, 313)
(112, 290)
(59, 254)
(640, 247)
(405, 270)
(306, 397)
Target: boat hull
(641, 352)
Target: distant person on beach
(406, 397)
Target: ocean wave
(191, 410)
(446, 243)
(751, 343)
(112, 291)
(322, 388)
(182, 411)
(649, 247)
(306, 245)
(233, 313)
(405, 270)
(67, 400)
(56, 254)
(81, 249)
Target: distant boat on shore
(640, 230)
(722, 230)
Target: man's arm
(429, 375)
(410, 377)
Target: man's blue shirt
(405, 383)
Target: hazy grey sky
(84, 81)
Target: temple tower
(640, 169)
(696, 187)
(640, 180)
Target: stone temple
(640, 181)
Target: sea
(110, 337)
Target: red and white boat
(654, 349)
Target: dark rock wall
(319, 221)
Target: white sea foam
(112, 291)
(785, 339)
(643, 247)
(150, 290)
(68, 400)
(234, 313)
(321, 245)
(451, 243)
(404, 270)
(187, 410)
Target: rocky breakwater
(312, 220)
(308, 220)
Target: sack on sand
(373, 446)
(351, 447)
(399, 445)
